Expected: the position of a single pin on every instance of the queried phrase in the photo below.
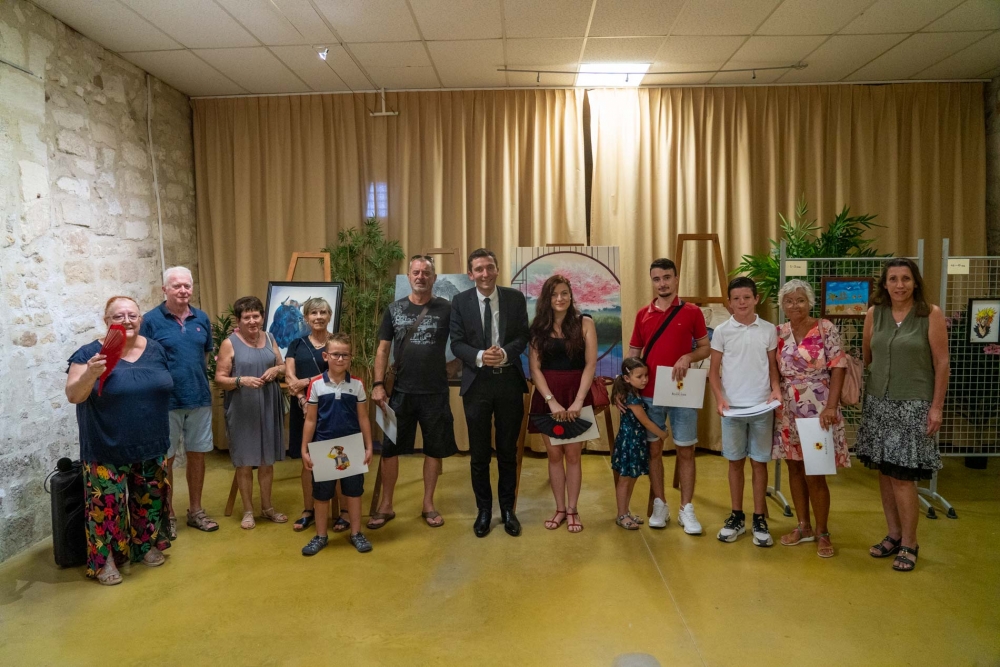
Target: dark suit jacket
(467, 337)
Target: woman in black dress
(562, 356)
(303, 362)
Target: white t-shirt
(746, 379)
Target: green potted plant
(221, 329)
(365, 261)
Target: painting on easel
(283, 317)
(593, 275)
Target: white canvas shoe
(688, 521)
(661, 514)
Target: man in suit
(489, 331)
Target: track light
(324, 53)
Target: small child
(631, 455)
(335, 408)
(744, 374)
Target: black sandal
(904, 564)
(304, 521)
(882, 551)
(341, 524)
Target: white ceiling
(226, 47)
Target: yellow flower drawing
(818, 446)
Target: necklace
(253, 343)
(320, 345)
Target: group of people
(158, 400)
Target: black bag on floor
(69, 538)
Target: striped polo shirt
(336, 406)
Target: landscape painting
(846, 297)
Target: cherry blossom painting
(593, 275)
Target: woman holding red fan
(121, 387)
(562, 356)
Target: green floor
(604, 597)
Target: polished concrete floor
(603, 597)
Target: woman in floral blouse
(811, 365)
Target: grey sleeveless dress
(254, 417)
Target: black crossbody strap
(659, 332)
(397, 360)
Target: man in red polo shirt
(684, 342)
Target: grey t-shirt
(423, 369)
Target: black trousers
(494, 398)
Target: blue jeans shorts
(748, 436)
(683, 423)
(190, 430)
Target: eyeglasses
(121, 317)
(339, 355)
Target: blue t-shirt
(129, 422)
(336, 406)
(186, 345)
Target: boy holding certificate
(335, 409)
(744, 374)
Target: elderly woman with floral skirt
(124, 437)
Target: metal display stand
(971, 424)
(812, 270)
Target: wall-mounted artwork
(446, 286)
(593, 273)
(845, 297)
(984, 326)
(283, 316)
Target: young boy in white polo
(743, 374)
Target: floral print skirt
(893, 439)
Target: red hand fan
(114, 343)
(559, 430)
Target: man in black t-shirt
(415, 328)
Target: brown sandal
(382, 517)
(552, 524)
(573, 523)
(430, 516)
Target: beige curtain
(459, 170)
(728, 160)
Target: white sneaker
(661, 514)
(688, 521)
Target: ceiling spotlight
(324, 53)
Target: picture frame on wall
(984, 320)
(283, 316)
(845, 298)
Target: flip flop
(380, 516)
(432, 515)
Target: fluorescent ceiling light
(611, 75)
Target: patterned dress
(805, 371)
(631, 455)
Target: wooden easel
(290, 276)
(377, 487)
(720, 268)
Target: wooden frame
(720, 267)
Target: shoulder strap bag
(659, 332)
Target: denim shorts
(683, 423)
(195, 425)
(748, 436)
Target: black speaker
(69, 537)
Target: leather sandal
(552, 523)
(201, 521)
(271, 515)
(341, 524)
(573, 525)
(797, 537)
(154, 558)
(306, 520)
(625, 521)
(248, 522)
(879, 550)
(382, 517)
(106, 578)
(825, 548)
(430, 516)
(903, 564)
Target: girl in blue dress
(630, 457)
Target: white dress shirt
(495, 309)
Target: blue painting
(846, 297)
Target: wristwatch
(548, 398)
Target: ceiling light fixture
(324, 53)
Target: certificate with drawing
(686, 393)
(817, 447)
(337, 458)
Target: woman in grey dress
(249, 367)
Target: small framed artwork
(846, 297)
(984, 325)
(283, 316)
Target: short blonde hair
(110, 302)
(794, 285)
(316, 303)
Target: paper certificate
(586, 412)
(686, 393)
(337, 458)
(817, 447)
(753, 411)
(386, 420)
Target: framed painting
(845, 297)
(984, 327)
(283, 316)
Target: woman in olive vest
(906, 351)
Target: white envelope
(818, 453)
(587, 412)
(688, 393)
(758, 409)
(337, 458)
(386, 420)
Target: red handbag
(599, 397)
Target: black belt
(499, 370)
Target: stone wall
(992, 96)
(78, 223)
